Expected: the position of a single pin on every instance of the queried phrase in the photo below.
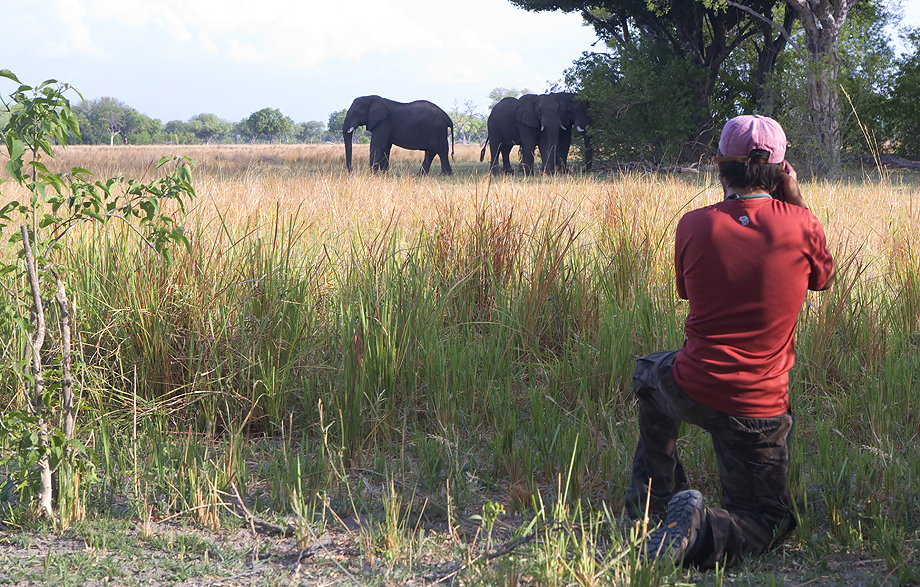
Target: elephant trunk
(549, 151)
(347, 135)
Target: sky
(174, 59)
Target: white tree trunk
(38, 390)
(822, 21)
(66, 361)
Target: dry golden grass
(247, 185)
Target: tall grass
(461, 333)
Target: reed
(457, 335)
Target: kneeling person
(745, 265)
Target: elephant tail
(482, 154)
(451, 141)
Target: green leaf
(28, 441)
(179, 236)
(9, 75)
(48, 220)
(40, 188)
(15, 147)
(7, 209)
(94, 215)
(80, 171)
(40, 166)
(149, 207)
(14, 168)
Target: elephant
(419, 126)
(574, 114)
(502, 134)
(530, 121)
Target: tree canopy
(740, 51)
(269, 124)
(903, 108)
(207, 127)
(701, 34)
(499, 94)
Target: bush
(641, 104)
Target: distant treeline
(109, 121)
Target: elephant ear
(376, 114)
(525, 111)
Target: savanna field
(392, 379)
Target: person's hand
(788, 190)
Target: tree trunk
(37, 405)
(773, 44)
(821, 95)
(66, 362)
(822, 22)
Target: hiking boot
(677, 538)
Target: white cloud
(400, 48)
(308, 34)
(176, 27)
(241, 52)
(351, 30)
(204, 39)
(130, 13)
(73, 13)
(470, 59)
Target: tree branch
(770, 22)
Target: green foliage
(269, 124)
(903, 109)
(309, 132)
(334, 129)
(499, 94)
(209, 127)
(337, 120)
(469, 125)
(637, 114)
(103, 119)
(179, 132)
(4, 117)
(59, 203)
(866, 71)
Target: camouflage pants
(753, 462)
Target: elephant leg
(445, 163)
(562, 151)
(426, 163)
(494, 153)
(385, 159)
(378, 155)
(506, 158)
(374, 160)
(527, 159)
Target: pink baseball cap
(745, 133)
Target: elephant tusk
(541, 128)
(351, 130)
(579, 129)
(562, 127)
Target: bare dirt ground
(93, 554)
